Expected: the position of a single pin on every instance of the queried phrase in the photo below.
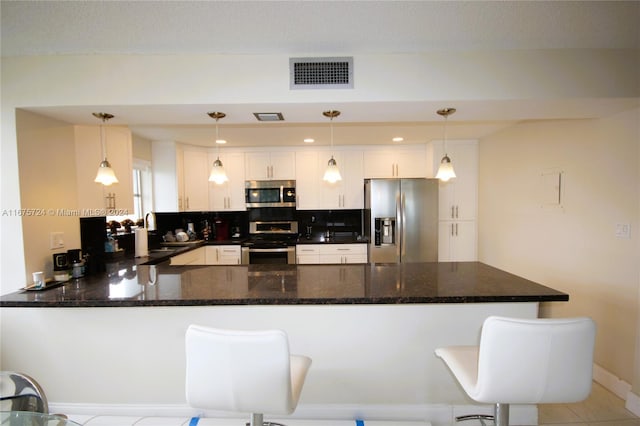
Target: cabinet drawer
(343, 249)
(305, 249)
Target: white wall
(571, 247)
(47, 170)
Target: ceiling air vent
(321, 73)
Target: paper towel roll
(142, 248)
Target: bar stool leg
(257, 419)
(501, 415)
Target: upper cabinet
(270, 165)
(459, 196)
(395, 162)
(228, 196)
(167, 158)
(196, 180)
(181, 179)
(116, 199)
(312, 192)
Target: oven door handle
(271, 250)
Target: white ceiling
(319, 28)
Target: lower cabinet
(457, 241)
(209, 255)
(192, 257)
(222, 255)
(331, 253)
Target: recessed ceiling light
(269, 116)
(308, 140)
(398, 139)
(221, 141)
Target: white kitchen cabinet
(307, 180)
(228, 196)
(192, 257)
(95, 198)
(349, 192)
(222, 255)
(179, 178)
(457, 241)
(167, 159)
(196, 180)
(331, 253)
(458, 202)
(307, 254)
(396, 162)
(270, 165)
(312, 192)
(459, 196)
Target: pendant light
(332, 174)
(218, 175)
(105, 174)
(445, 171)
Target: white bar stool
(525, 361)
(243, 371)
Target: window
(142, 192)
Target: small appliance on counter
(76, 263)
(61, 267)
(222, 229)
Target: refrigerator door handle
(404, 228)
(399, 225)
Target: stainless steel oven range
(271, 242)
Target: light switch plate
(56, 240)
(623, 230)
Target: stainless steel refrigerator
(401, 220)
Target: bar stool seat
(243, 371)
(525, 361)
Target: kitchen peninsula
(370, 329)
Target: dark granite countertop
(130, 283)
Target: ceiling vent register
(321, 73)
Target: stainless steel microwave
(270, 193)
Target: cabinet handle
(456, 212)
(179, 203)
(187, 203)
(452, 212)
(452, 234)
(456, 229)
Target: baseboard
(611, 382)
(618, 387)
(633, 403)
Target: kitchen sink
(163, 250)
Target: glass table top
(29, 418)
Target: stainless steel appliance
(271, 242)
(270, 193)
(401, 220)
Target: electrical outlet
(623, 230)
(56, 240)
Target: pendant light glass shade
(105, 175)
(218, 175)
(445, 171)
(332, 173)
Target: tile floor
(602, 408)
